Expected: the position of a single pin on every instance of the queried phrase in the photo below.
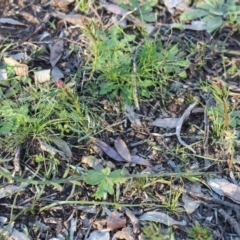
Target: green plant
(214, 13)
(152, 231)
(219, 114)
(83, 5)
(141, 8)
(199, 233)
(105, 179)
(156, 62)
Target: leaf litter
(126, 173)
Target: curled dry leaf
(132, 116)
(162, 218)
(224, 187)
(62, 3)
(180, 123)
(75, 19)
(122, 149)
(115, 222)
(178, 4)
(42, 76)
(191, 204)
(141, 161)
(50, 149)
(100, 235)
(56, 73)
(126, 233)
(165, 122)
(56, 52)
(11, 21)
(19, 68)
(3, 74)
(109, 151)
(62, 145)
(8, 190)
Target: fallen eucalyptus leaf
(132, 116)
(224, 187)
(180, 123)
(56, 73)
(139, 160)
(50, 149)
(161, 218)
(19, 68)
(191, 204)
(56, 52)
(75, 19)
(62, 145)
(166, 122)
(178, 4)
(3, 74)
(122, 149)
(100, 235)
(9, 190)
(11, 21)
(109, 151)
(115, 222)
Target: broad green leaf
(149, 17)
(101, 191)
(104, 188)
(213, 23)
(183, 74)
(234, 9)
(5, 128)
(235, 114)
(205, 6)
(94, 177)
(193, 14)
(106, 171)
(116, 176)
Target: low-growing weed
(199, 233)
(105, 179)
(152, 231)
(141, 8)
(215, 14)
(113, 52)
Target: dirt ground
(178, 184)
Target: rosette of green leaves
(214, 13)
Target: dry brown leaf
(19, 68)
(132, 116)
(115, 222)
(42, 76)
(99, 235)
(165, 122)
(62, 3)
(11, 21)
(180, 123)
(122, 149)
(139, 160)
(162, 218)
(224, 187)
(75, 19)
(56, 52)
(109, 151)
(62, 145)
(126, 233)
(178, 4)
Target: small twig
(231, 221)
(180, 123)
(133, 219)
